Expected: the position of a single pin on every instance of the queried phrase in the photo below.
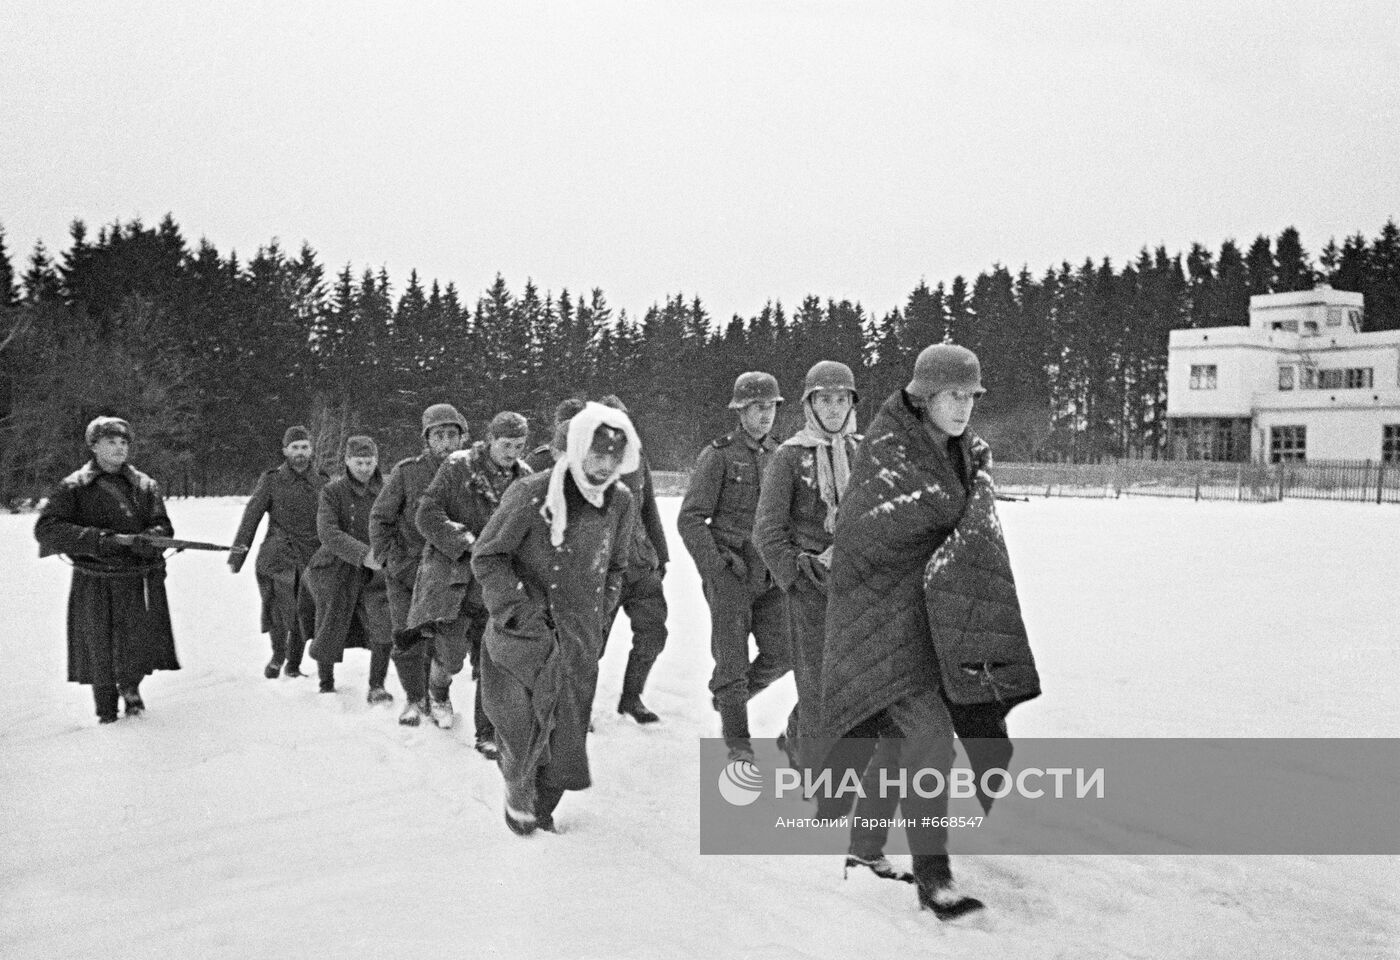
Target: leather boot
(734, 727)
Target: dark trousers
(448, 644)
(644, 601)
(805, 607)
(290, 612)
(378, 666)
(737, 610)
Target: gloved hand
(814, 570)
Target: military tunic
(716, 523)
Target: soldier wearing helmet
(288, 494)
(793, 529)
(399, 545)
(447, 614)
(716, 524)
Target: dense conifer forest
(211, 356)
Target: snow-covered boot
(273, 668)
(440, 705)
(378, 695)
(131, 696)
(936, 893)
(734, 727)
(488, 748)
(946, 903)
(631, 706)
(879, 865)
(520, 810)
(413, 713)
(105, 699)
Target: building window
(1339, 378)
(1307, 377)
(1203, 376)
(1390, 443)
(1285, 377)
(1287, 326)
(1208, 438)
(1334, 316)
(1288, 444)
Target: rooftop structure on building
(1302, 382)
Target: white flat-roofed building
(1301, 382)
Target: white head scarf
(582, 427)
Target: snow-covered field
(251, 818)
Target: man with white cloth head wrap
(551, 563)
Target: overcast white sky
(739, 150)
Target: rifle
(171, 543)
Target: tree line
(211, 356)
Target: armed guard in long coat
(347, 577)
(716, 524)
(288, 494)
(118, 619)
(551, 563)
(447, 619)
(393, 533)
(643, 595)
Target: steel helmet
(946, 366)
(829, 375)
(754, 387)
(443, 414)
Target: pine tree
(959, 318)
(9, 295)
(1230, 305)
(1383, 287)
(1259, 266)
(1292, 271)
(1200, 272)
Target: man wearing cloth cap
(447, 607)
(396, 540)
(288, 494)
(118, 618)
(716, 522)
(346, 577)
(910, 483)
(542, 457)
(551, 564)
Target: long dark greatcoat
(451, 514)
(290, 501)
(352, 607)
(550, 610)
(118, 618)
(906, 495)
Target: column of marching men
(477, 554)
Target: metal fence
(1357, 480)
(1360, 480)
